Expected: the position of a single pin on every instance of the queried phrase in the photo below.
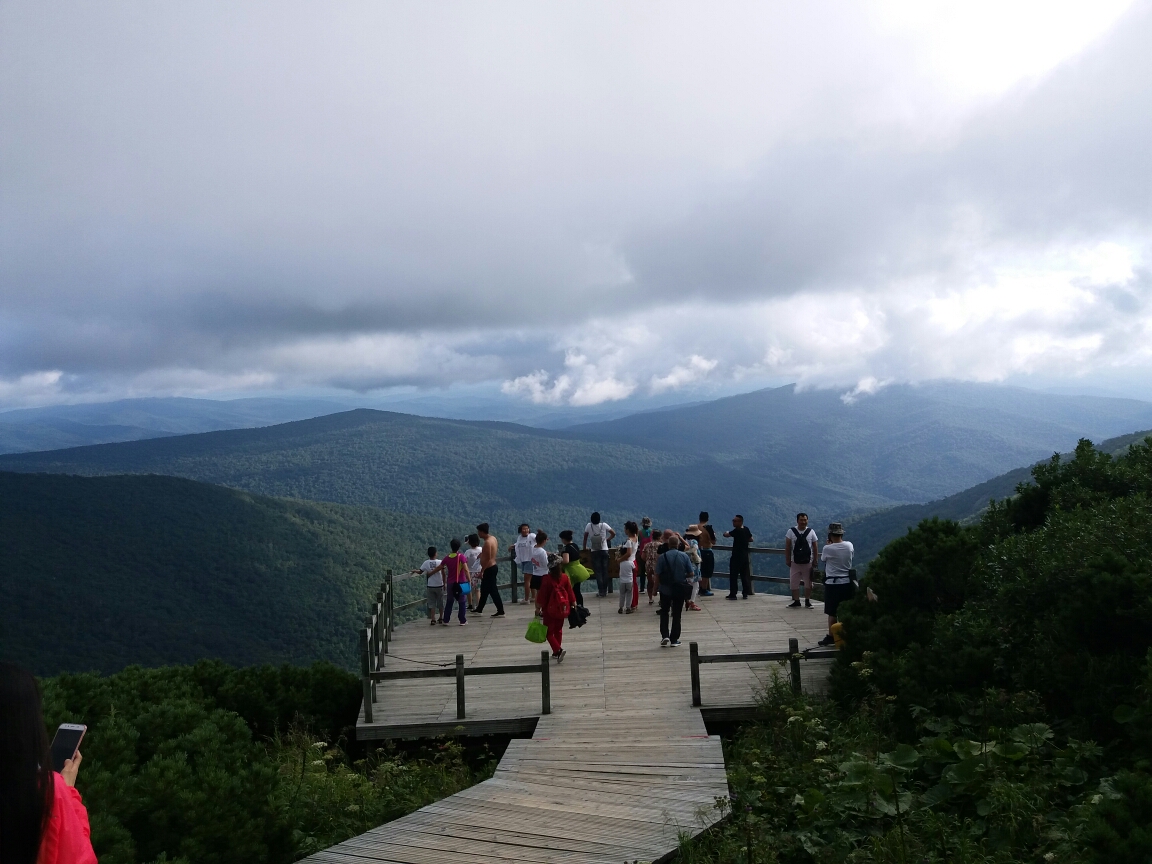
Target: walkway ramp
(621, 767)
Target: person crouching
(555, 600)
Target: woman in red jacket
(555, 600)
(42, 819)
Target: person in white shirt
(627, 565)
(800, 549)
(839, 584)
(539, 565)
(601, 534)
(472, 556)
(433, 587)
(522, 551)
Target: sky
(572, 205)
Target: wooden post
(459, 686)
(513, 579)
(545, 684)
(794, 664)
(366, 674)
(370, 629)
(391, 608)
(694, 660)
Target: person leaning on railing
(42, 819)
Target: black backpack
(801, 546)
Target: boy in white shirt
(472, 556)
(522, 551)
(434, 587)
(539, 565)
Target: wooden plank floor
(621, 766)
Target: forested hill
(97, 573)
(873, 532)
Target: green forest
(208, 764)
(993, 704)
(97, 573)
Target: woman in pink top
(42, 819)
(455, 567)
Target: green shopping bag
(537, 632)
(577, 572)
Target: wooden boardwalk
(621, 767)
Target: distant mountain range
(764, 454)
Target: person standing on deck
(800, 555)
(455, 569)
(645, 539)
(739, 566)
(706, 539)
(601, 534)
(472, 555)
(570, 554)
(838, 573)
(692, 550)
(554, 602)
(628, 565)
(673, 570)
(651, 553)
(522, 552)
(433, 586)
(539, 565)
(489, 570)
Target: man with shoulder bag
(839, 576)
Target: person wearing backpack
(800, 555)
(601, 534)
(555, 600)
(674, 572)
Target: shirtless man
(489, 570)
(706, 539)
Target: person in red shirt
(456, 574)
(555, 600)
(42, 819)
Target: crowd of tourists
(671, 567)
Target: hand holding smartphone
(66, 743)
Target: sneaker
(692, 607)
(827, 641)
(443, 623)
(675, 643)
(795, 604)
(619, 611)
(732, 597)
(629, 610)
(462, 623)
(498, 615)
(706, 594)
(433, 623)
(560, 656)
(665, 641)
(807, 604)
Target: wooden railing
(792, 656)
(762, 550)
(380, 629)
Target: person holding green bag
(555, 600)
(577, 572)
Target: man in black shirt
(739, 565)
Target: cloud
(586, 203)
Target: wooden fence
(792, 656)
(379, 631)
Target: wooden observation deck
(618, 769)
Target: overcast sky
(577, 202)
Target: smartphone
(66, 743)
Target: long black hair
(26, 781)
